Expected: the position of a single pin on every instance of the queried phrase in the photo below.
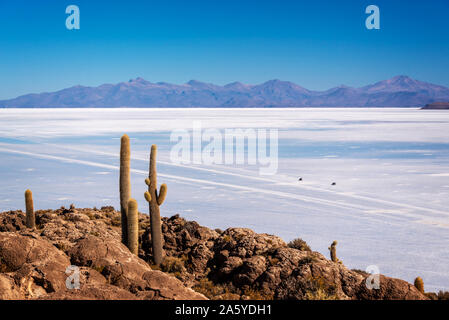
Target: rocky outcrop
(391, 289)
(36, 266)
(33, 264)
(244, 264)
(124, 270)
(233, 264)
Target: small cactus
(155, 199)
(30, 216)
(333, 251)
(133, 227)
(419, 284)
(125, 184)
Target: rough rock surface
(33, 263)
(233, 264)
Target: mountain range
(400, 91)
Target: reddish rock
(240, 263)
(390, 289)
(36, 266)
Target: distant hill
(437, 106)
(400, 91)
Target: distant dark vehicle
(334, 183)
(436, 106)
(300, 179)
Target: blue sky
(316, 44)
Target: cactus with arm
(155, 200)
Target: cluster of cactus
(30, 216)
(419, 284)
(333, 251)
(129, 208)
(155, 199)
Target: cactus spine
(155, 199)
(333, 251)
(419, 284)
(133, 227)
(125, 184)
(30, 217)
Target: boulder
(123, 269)
(36, 266)
(245, 243)
(390, 289)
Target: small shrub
(320, 294)
(173, 265)
(208, 288)
(299, 244)
(320, 289)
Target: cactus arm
(147, 196)
(162, 194)
(155, 218)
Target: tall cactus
(333, 251)
(133, 227)
(125, 184)
(30, 217)
(155, 199)
(419, 284)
